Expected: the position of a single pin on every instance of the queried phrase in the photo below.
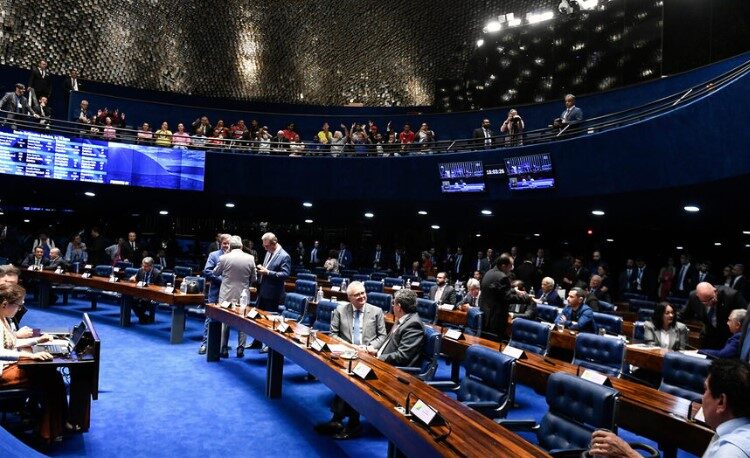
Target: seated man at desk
(524, 307)
(35, 259)
(404, 343)
(726, 408)
(577, 316)
(56, 261)
(731, 349)
(442, 292)
(471, 298)
(149, 276)
(361, 324)
(548, 295)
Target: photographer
(513, 127)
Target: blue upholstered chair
(306, 287)
(427, 310)
(320, 272)
(678, 302)
(425, 286)
(392, 281)
(295, 306)
(683, 375)
(373, 286)
(639, 330)
(600, 353)
(123, 264)
(546, 313)
(336, 281)
(360, 277)
(168, 278)
(606, 306)
(638, 304)
(197, 309)
(645, 314)
(378, 275)
(488, 385)
(577, 407)
(634, 296)
(474, 321)
(429, 359)
(349, 273)
(301, 270)
(381, 300)
(307, 276)
(611, 323)
(529, 336)
(183, 271)
(130, 271)
(103, 270)
(323, 315)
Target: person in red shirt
(406, 137)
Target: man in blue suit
(345, 257)
(273, 272)
(214, 282)
(577, 316)
(571, 115)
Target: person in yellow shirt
(163, 136)
(325, 136)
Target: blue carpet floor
(158, 399)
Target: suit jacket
(678, 336)
(526, 272)
(525, 309)
(382, 261)
(345, 260)
(154, 277)
(449, 294)
(469, 300)
(29, 261)
(272, 284)
(237, 270)
(691, 277)
(584, 318)
(132, 255)
(580, 278)
(494, 300)
(42, 85)
(404, 345)
(742, 286)
(552, 298)
(601, 295)
(574, 116)
(625, 281)
(459, 265)
(730, 350)
(320, 256)
(648, 282)
(53, 264)
(10, 102)
(214, 281)
(709, 277)
(68, 84)
(484, 265)
(373, 324)
(727, 299)
(479, 136)
(397, 262)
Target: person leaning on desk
(45, 379)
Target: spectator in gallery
(181, 139)
(39, 108)
(570, 116)
(240, 131)
(219, 133)
(338, 141)
(325, 137)
(83, 116)
(254, 127)
(163, 136)
(202, 127)
(358, 137)
(280, 142)
(41, 80)
(484, 135)
(296, 147)
(425, 137)
(513, 128)
(263, 140)
(406, 137)
(109, 132)
(289, 132)
(144, 136)
(14, 103)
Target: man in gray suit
(443, 293)
(361, 324)
(406, 339)
(237, 269)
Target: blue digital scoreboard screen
(460, 177)
(530, 172)
(43, 155)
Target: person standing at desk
(149, 276)
(43, 379)
(496, 297)
(711, 305)
(274, 271)
(214, 281)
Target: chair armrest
(443, 385)
(486, 408)
(517, 425)
(410, 370)
(568, 452)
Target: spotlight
(568, 7)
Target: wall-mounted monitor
(530, 172)
(457, 177)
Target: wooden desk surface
(472, 434)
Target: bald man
(711, 305)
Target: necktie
(357, 332)
(683, 269)
(712, 316)
(132, 245)
(267, 258)
(146, 278)
(458, 263)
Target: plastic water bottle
(343, 284)
(243, 301)
(183, 286)
(531, 292)
(320, 294)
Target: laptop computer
(56, 348)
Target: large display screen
(530, 172)
(462, 176)
(42, 155)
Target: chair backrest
(489, 376)
(600, 353)
(474, 321)
(645, 314)
(683, 375)
(360, 277)
(336, 281)
(637, 304)
(546, 313)
(381, 300)
(123, 264)
(130, 271)
(103, 270)
(530, 336)
(307, 276)
(639, 330)
(428, 362)
(391, 281)
(634, 296)
(349, 273)
(576, 408)
(320, 272)
(678, 302)
(605, 306)
(201, 282)
(612, 323)
(378, 275)
(427, 310)
(295, 306)
(183, 271)
(323, 315)
(745, 347)
(301, 270)
(158, 266)
(373, 286)
(425, 286)
(168, 277)
(307, 288)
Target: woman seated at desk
(664, 331)
(44, 379)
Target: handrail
(266, 146)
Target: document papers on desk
(693, 353)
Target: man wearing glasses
(711, 305)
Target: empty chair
(427, 310)
(103, 270)
(683, 375)
(130, 271)
(307, 276)
(606, 306)
(168, 278)
(611, 323)
(123, 264)
(336, 281)
(645, 314)
(183, 271)
(198, 284)
(320, 272)
(547, 313)
(639, 330)
(428, 361)
(360, 277)
(373, 286)
(378, 275)
(638, 304)
(425, 286)
(600, 353)
(295, 306)
(678, 302)
(381, 300)
(474, 321)
(306, 287)
(323, 315)
(391, 281)
(488, 385)
(349, 273)
(529, 336)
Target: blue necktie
(357, 334)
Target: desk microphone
(402, 380)
(407, 409)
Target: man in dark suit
(576, 275)
(540, 264)
(711, 305)
(345, 257)
(705, 275)
(627, 277)
(14, 103)
(685, 278)
(35, 259)
(404, 343)
(149, 276)
(496, 296)
(96, 246)
(458, 268)
(274, 270)
(526, 270)
(471, 298)
(378, 258)
(740, 283)
(644, 282)
(548, 294)
(571, 115)
(397, 262)
(41, 80)
(71, 84)
(317, 255)
(481, 264)
(442, 292)
(56, 260)
(484, 136)
(595, 290)
(130, 251)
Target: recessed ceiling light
(229, 205)
(486, 212)
(422, 212)
(679, 247)
(597, 212)
(493, 26)
(163, 212)
(90, 194)
(135, 214)
(480, 42)
(27, 221)
(308, 221)
(747, 245)
(746, 232)
(610, 240)
(435, 226)
(717, 243)
(691, 208)
(369, 215)
(307, 204)
(536, 234)
(477, 235)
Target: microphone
(407, 409)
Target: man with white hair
(273, 272)
(711, 305)
(214, 281)
(547, 294)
